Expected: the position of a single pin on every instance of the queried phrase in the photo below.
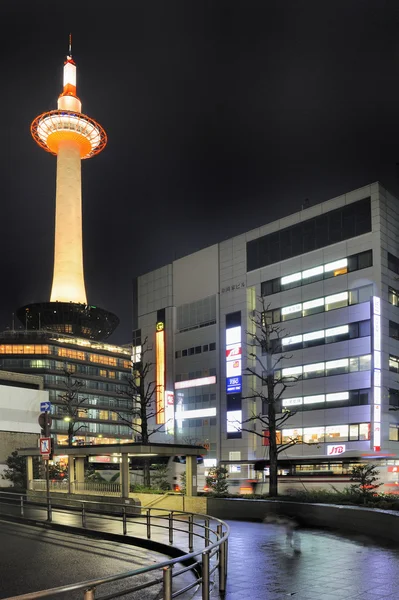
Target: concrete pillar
(191, 475)
(29, 473)
(125, 476)
(68, 279)
(71, 475)
(79, 474)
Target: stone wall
(367, 521)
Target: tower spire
(70, 45)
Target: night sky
(221, 116)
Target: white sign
(336, 449)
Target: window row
(92, 400)
(322, 336)
(92, 414)
(57, 365)
(195, 350)
(332, 269)
(196, 374)
(24, 349)
(319, 305)
(329, 228)
(393, 397)
(334, 400)
(325, 369)
(327, 434)
(59, 380)
(61, 425)
(95, 358)
(316, 399)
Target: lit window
(312, 272)
(292, 401)
(289, 435)
(393, 433)
(290, 278)
(393, 297)
(393, 363)
(313, 306)
(314, 399)
(334, 367)
(341, 330)
(337, 433)
(313, 335)
(103, 373)
(314, 370)
(336, 301)
(292, 371)
(337, 265)
(313, 435)
(337, 396)
(288, 341)
(288, 310)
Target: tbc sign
(335, 449)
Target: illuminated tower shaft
(68, 278)
(72, 136)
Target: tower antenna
(70, 44)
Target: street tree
(216, 481)
(73, 404)
(366, 478)
(267, 386)
(141, 391)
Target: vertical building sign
(376, 415)
(233, 360)
(160, 372)
(170, 412)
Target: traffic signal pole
(47, 434)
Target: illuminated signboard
(234, 420)
(336, 449)
(170, 412)
(233, 360)
(376, 306)
(160, 373)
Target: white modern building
(330, 278)
(20, 399)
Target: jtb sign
(339, 449)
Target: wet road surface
(262, 564)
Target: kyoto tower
(71, 136)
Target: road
(262, 565)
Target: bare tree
(72, 404)
(264, 361)
(141, 392)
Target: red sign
(233, 351)
(339, 449)
(394, 469)
(45, 447)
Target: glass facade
(102, 409)
(321, 231)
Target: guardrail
(208, 532)
(103, 487)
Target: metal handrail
(217, 548)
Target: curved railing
(206, 541)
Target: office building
(329, 278)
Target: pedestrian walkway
(262, 565)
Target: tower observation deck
(72, 136)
